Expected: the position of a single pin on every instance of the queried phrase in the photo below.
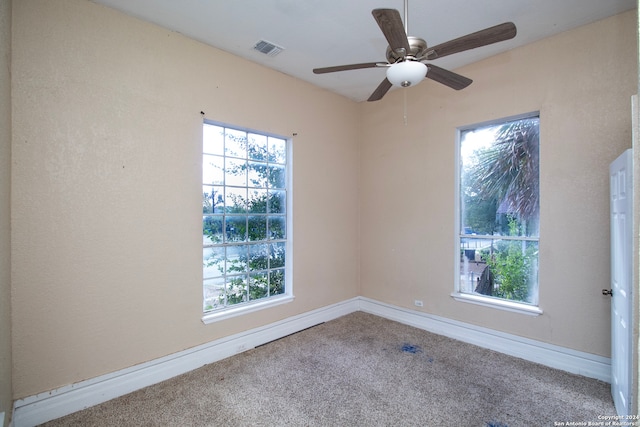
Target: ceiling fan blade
(381, 90)
(448, 78)
(348, 67)
(390, 23)
(480, 38)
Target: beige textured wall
(5, 207)
(581, 82)
(106, 140)
(107, 159)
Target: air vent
(268, 48)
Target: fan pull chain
(404, 90)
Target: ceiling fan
(406, 55)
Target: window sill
(228, 313)
(498, 303)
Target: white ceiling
(321, 33)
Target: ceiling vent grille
(268, 48)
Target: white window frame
(486, 301)
(286, 297)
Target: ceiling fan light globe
(406, 73)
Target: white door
(621, 178)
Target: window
(245, 230)
(498, 215)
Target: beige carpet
(360, 370)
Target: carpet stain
(409, 348)
(496, 424)
(414, 349)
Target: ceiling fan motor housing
(417, 49)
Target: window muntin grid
(244, 216)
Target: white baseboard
(50, 405)
(57, 403)
(576, 362)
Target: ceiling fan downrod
(406, 17)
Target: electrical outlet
(418, 303)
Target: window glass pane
(505, 269)
(257, 228)
(212, 170)
(235, 200)
(236, 291)
(277, 227)
(258, 259)
(213, 262)
(276, 255)
(258, 286)
(235, 143)
(277, 178)
(207, 199)
(276, 282)
(257, 174)
(213, 293)
(235, 172)
(258, 201)
(257, 147)
(236, 228)
(236, 257)
(217, 199)
(212, 139)
(277, 150)
(277, 202)
(212, 199)
(499, 179)
(211, 229)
